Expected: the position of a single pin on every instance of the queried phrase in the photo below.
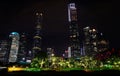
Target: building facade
(4, 52)
(73, 31)
(37, 39)
(14, 47)
(94, 42)
(22, 53)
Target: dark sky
(19, 16)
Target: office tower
(74, 32)
(4, 51)
(86, 43)
(14, 47)
(94, 41)
(37, 36)
(90, 44)
(22, 49)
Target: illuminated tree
(35, 63)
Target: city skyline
(19, 17)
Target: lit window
(93, 30)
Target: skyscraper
(37, 36)
(93, 44)
(86, 43)
(22, 53)
(14, 47)
(74, 32)
(4, 51)
(94, 41)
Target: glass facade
(14, 47)
(74, 32)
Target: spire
(39, 20)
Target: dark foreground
(71, 73)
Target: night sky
(19, 16)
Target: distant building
(29, 56)
(67, 53)
(14, 47)
(103, 44)
(37, 36)
(50, 53)
(94, 42)
(23, 50)
(90, 41)
(74, 31)
(4, 51)
(86, 41)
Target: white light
(69, 52)
(101, 34)
(23, 58)
(72, 5)
(94, 30)
(52, 54)
(29, 61)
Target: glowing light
(11, 69)
(14, 33)
(52, 54)
(93, 30)
(37, 37)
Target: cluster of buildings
(16, 48)
(92, 43)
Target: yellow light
(37, 37)
(52, 54)
(118, 62)
(10, 69)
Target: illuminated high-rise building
(91, 39)
(37, 36)
(86, 43)
(14, 47)
(94, 41)
(4, 51)
(22, 53)
(74, 31)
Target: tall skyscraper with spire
(37, 36)
(74, 32)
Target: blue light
(14, 33)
